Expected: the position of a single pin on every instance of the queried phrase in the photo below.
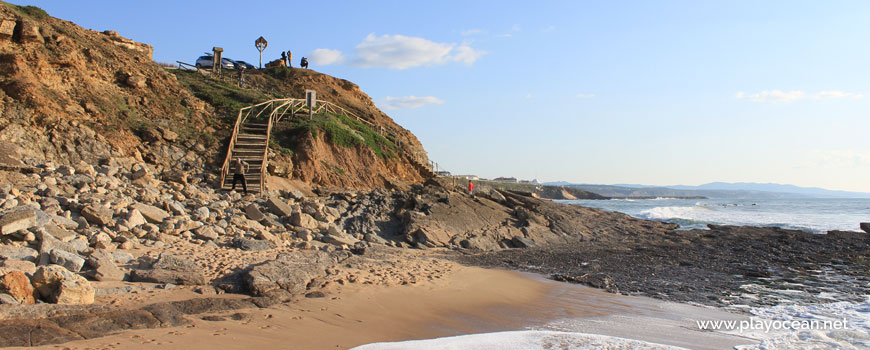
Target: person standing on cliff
(471, 188)
(289, 59)
(239, 169)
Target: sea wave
(856, 334)
(523, 340)
(699, 215)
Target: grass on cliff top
(223, 94)
(31, 12)
(338, 129)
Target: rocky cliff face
(70, 95)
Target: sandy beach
(466, 300)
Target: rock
(279, 207)
(171, 269)
(521, 242)
(59, 233)
(104, 266)
(290, 273)
(122, 257)
(18, 253)
(66, 170)
(29, 31)
(171, 136)
(305, 235)
(151, 213)
(206, 233)
(494, 196)
(107, 273)
(98, 215)
(373, 238)
(17, 220)
(25, 266)
(251, 244)
(201, 214)
(865, 226)
(58, 285)
(190, 278)
(339, 240)
(6, 299)
(254, 213)
(303, 220)
(296, 194)
(137, 81)
(135, 218)
(175, 263)
(18, 286)
(7, 29)
(66, 259)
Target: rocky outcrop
(58, 285)
(170, 269)
(288, 275)
(17, 285)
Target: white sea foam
(703, 214)
(522, 340)
(855, 336)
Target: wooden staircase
(251, 145)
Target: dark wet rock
(712, 267)
(865, 226)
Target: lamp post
(261, 44)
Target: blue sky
(651, 92)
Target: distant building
(442, 173)
(505, 179)
(468, 177)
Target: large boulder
(171, 269)
(279, 207)
(104, 267)
(253, 245)
(68, 260)
(865, 226)
(59, 233)
(18, 253)
(17, 285)
(17, 220)
(58, 285)
(151, 213)
(98, 215)
(303, 220)
(254, 213)
(289, 275)
(206, 233)
(135, 218)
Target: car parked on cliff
(247, 65)
(208, 61)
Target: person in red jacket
(470, 188)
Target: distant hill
(813, 192)
(714, 190)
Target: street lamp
(261, 44)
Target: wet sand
(466, 300)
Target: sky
(603, 92)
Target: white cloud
(777, 96)
(585, 96)
(325, 57)
(515, 29)
(837, 94)
(403, 52)
(391, 103)
(774, 96)
(837, 159)
(470, 32)
(529, 96)
(549, 29)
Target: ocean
(813, 215)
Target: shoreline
(467, 300)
